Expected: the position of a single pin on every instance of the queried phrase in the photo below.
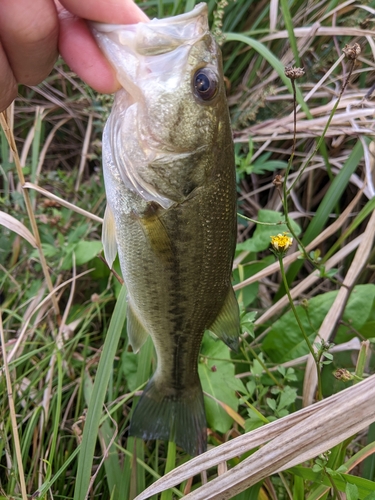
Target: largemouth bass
(171, 209)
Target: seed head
(352, 51)
(294, 73)
(278, 181)
(342, 374)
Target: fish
(169, 174)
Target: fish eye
(205, 83)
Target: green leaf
(271, 403)
(262, 235)
(86, 251)
(251, 386)
(95, 407)
(284, 341)
(260, 167)
(253, 423)
(359, 310)
(76, 235)
(287, 397)
(316, 468)
(257, 368)
(351, 492)
(366, 488)
(129, 365)
(214, 375)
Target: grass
(68, 380)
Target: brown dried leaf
(16, 226)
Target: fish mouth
(157, 36)
(131, 48)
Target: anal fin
(227, 323)
(136, 331)
(109, 236)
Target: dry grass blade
(320, 31)
(321, 81)
(47, 144)
(85, 147)
(39, 305)
(12, 144)
(331, 320)
(12, 412)
(354, 115)
(64, 203)
(292, 440)
(16, 226)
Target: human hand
(32, 34)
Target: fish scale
(169, 174)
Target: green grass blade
(36, 145)
(134, 476)
(113, 472)
(331, 198)
(57, 413)
(298, 488)
(189, 5)
(94, 412)
(289, 26)
(369, 462)
(170, 465)
(273, 61)
(48, 484)
(152, 472)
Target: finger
(106, 11)
(29, 33)
(80, 51)
(8, 84)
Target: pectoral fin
(157, 236)
(109, 236)
(136, 331)
(227, 323)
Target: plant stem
(263, 365)
(259, 222)
(321, 138)
(309, 345)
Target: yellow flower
(281, 242)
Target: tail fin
(179, 417)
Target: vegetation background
(52, 200)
